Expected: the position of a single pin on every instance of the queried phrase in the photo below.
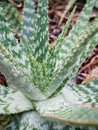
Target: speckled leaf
(9, 43)
(28, 23)
(54, 53)
(87, 93)
(13, 101)
(15, 78)
(11, 14)
(33, 121)
(27, 39)
(41, 29)
(70, 68)
(20, 56)
(67, 8)
(77, 30)
(75, 105)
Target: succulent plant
(41, 93)
(11, 14)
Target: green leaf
(67, 8)
(8, 69)
(11, 14)
(27, 38)
(82, 57)
(32, 121)
(20, 64)
(52, 59)
(13, 123)
(87, 92)
(74, 105)
(96, 4)
(70, 68)
(74, 115)
(28, 23)
(15, 78)
(77, 30)
(13, 101)
(10, 47)
(41, 32)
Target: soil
(56, 10)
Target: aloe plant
(67, 8)
(41, 93)
(11, 14)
